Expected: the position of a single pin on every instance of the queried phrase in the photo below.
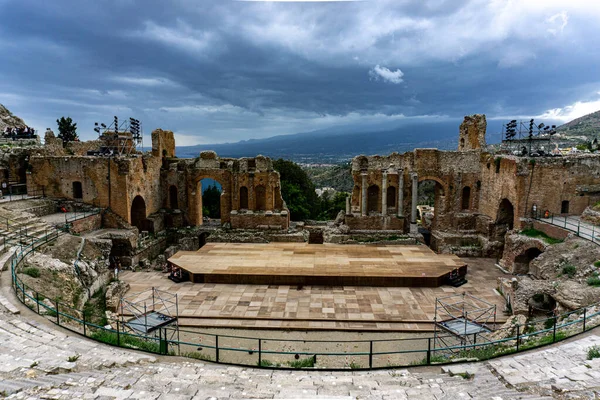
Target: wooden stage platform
(318, 264)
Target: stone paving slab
(314, 307)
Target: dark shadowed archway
(261, 198)
(138, 212)
(521, 265)
(466, 198)
(173, 197)
(77, 190)
(391, 196)
(506, 214)
(373, 198)
(243, 198)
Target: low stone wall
(87, 224)
(551, 230)
(376, 222)
(265, 221)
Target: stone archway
(138, 213)
(433, 196)
(391, 196)
(504, 221)
(541, 304)
(261, 198)
(373, 199)
(466, 198)
(173, 197)
(506, 214)
(522, 261)
(243, 198)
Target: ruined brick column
(363, 189)
(251, 190)
(384, 193)
(415, 187)
(401, 192)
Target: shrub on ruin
(569, 270)
(593, 352)
(594, 280)
(32, 272)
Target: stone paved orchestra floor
(316, 307)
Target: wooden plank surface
(315, 260)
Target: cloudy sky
(225, 70)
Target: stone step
(8, 305)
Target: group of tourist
(18, 133)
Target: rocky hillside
(587, 127)
(8, 119)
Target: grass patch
(534, 233)
(597, 264)
(593, 352)
(466, 375)
(354, 365)
(543, 340)
(32, 272)
(435, 359)
(569, 270)
(594, 280)
(126, 341)
(482, 353)
(197, 356)
(303, 363)
(267, 364)
(95, 308)
(74, 358)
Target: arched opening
(138, 213)
(506, 215)
(373, 199)
(243, 198)
(430, 196)
(173, 197)
(541, 304)
(466, 198)
(391, 196)
(77, 190)
(261, 198)
(564, 207)
(211, 201)
(462, 142)
(521, 264)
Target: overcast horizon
(216, 72)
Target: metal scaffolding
(150, 313)
(462, 320)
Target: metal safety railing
(300, 353)
(582, 229)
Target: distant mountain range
(342, 143)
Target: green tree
(331, 206)
(67, 130)
(211, 202)
(297, 190)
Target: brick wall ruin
(137, 186)
(478, 196)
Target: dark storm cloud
(229, 70)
